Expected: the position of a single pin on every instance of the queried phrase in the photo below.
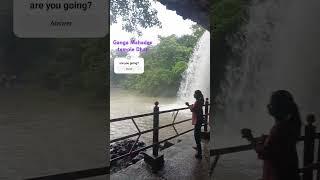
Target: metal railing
(308, 153)
(155, 145)
(76, 174)
(156, 114)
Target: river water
(125, 103)
(44, 133)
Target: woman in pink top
(278, 150)
(197, 119)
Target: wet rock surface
(121, 148)
(179, 163)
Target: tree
(164, 66)
(134, 14)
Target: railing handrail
(147, 131)
(106, 170)
(76, 174)
(155, 114)
(149, 114)
(245, 147)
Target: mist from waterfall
(197, 75)
(280, 50)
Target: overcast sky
(171, 24)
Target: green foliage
(133, 14)
(227, 17)
(179, 67)
(151, 82)
(93, 65)
(68, 64)
(197, 31)
(191, 40)
(72, 65)
(65, 65)
(164, 65)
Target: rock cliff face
(196, 10)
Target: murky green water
(44, 133)
(125, 103)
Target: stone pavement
(180, 163)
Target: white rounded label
(128, 66)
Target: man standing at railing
(197, 119)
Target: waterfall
(280, 51)
(197, 75)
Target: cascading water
(197, 75)
(279, 51)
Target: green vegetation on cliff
(164, 65)
(227, 16)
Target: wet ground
(180, 163)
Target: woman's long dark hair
(199, 97)
(283, 105)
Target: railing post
(155, 148)
(154, 159)
(205, 134)
(206, 111)
(313, 118)
(308, 156)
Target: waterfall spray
(279, 52)
(197, 75)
